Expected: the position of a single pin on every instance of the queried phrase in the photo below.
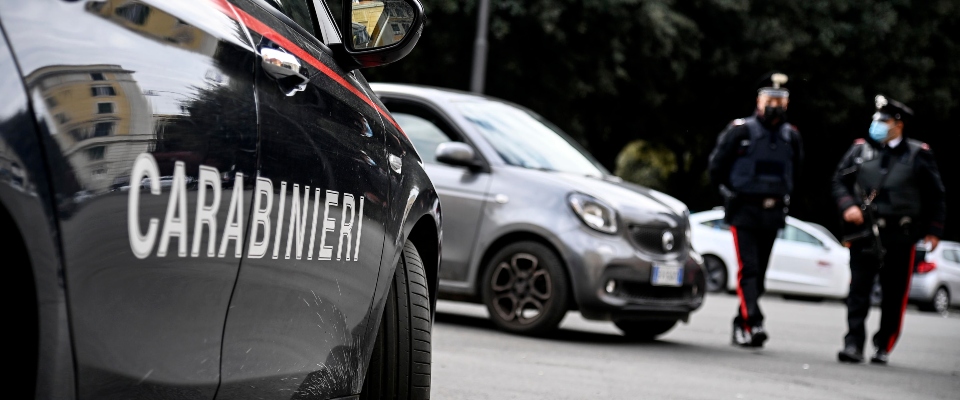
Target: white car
(936, 279)
(807, 260)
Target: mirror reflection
(379, 23)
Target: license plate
(667, 275)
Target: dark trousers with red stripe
(895, 274)
(753, 255)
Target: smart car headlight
(593, 212)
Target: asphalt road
(588, 359)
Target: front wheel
(940, 302)
(644, 330)
(400, 364)
(716, 274)
(525, 288)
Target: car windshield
(526, 140)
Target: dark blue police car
(204, 199)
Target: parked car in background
(936, 278)
(533, 226)
(807, 260)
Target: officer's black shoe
(741, 336)
(758, 336)
(850, 354)
(880, 357)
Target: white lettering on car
(234, 229)
(261, 218)
(145, 166)
(328, 223)
(298, 220)
(175, 223)
(146, 173)
(206, 214)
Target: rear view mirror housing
(378, 32)
(457, 154)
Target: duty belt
(762, 201)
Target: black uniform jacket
(741, 211)
(932, 192)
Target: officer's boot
(850, 354)
(741, 335)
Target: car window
(526, 140)
(298, 11)
(423, 133)
(717, 224)
(792, 233)
(952, 255)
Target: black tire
(644, 330)
(401, 361)
(940, 302)
(717, 277)
(525, 289)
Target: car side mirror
(458, 154)
(378, 32)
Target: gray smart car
(533, 226)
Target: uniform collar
(895, 142)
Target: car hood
(633, 202)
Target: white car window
(795, 234)
(717, 224)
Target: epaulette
(738, 122)
(860, 141)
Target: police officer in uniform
(755, 163)
(889, 191)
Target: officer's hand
(853, 215)
(933, 240)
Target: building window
(134, 12)
(97, 91)
(97, 76)
(78, 134)
(96, 153)
(396, 29)
(51, 102)
(104, 108)
(61, 118)
(102, 129)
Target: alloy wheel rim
(715, 275)
(522, 289)
(941, 300)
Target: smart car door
(462, 190)
(316, 229)
(147, 113)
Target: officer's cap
(891, 109)
(774, 85)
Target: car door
(462, 191)
(147, 113)
(951, 271)
(319, 206)
(799, 261)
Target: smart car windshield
(526, 140)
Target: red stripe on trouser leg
(906, 296)
(743, 300)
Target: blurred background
(647, 85)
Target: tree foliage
(673, 73)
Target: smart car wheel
(400, 365)
(941, 300)
(644, 330)
(525, 288)
(716, 274)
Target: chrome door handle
(285, 69)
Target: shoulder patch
(860, 141)
(739, 121)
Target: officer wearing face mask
(888, 187)
(755, 164)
